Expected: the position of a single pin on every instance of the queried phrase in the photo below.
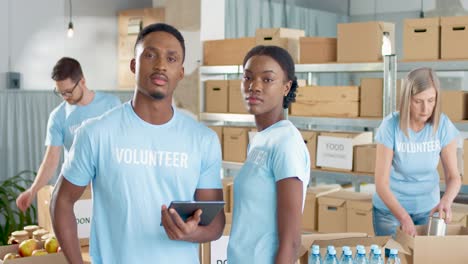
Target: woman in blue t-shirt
(269, 190)
(409, 145)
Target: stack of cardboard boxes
(443, 37)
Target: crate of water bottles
(376, 255)
(353, 250)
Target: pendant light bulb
(70, 30)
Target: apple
(51, 245)
(39, 252)
(9, 256)
(27, 247)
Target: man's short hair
(67, 68)
(164, 28)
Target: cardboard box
(125, 75)
(227, 189)
(325, 109)
(310, 213)
(216, 251)
(219, 133)
(130, 22)
(455, 104)
(216, 96)
(57, 258)
(126, 47)
(371, 98)
(371, 104)
(183, 15)
(308, 239)
(359, 216)
(226, 51)
(335, 149)
(435, 249)
(317, 50)
(460, 214)
(235, 143)
(454, 37)
(236, 100)
(83, 210)
(286, 38)
(310, 139)
(334, 101)
(364, 158)
(362, 42)
(332, 214)
(417, 31)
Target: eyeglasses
(66, 94)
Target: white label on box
(83, 210)
(219, 250)
(335, 152)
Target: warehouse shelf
(303, 122)
(222, 119)
(439, 65)
(303, 68)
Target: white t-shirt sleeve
(210, 169)
(291, 159)
(80, 166)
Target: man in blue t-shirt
(140, 157)
(79, 104)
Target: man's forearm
(45, 173)
(65, 228)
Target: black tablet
(187, 208)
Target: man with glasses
(79, 104)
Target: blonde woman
(409, 145)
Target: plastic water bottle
(377, 258)
(371, 252)
(393, 257)
(357, 249)
(347, 257)
(344, 248)
(331, 257)
(330, 247)
(361, 256)
(314, 257)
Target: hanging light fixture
(70, 24)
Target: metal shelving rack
(389, 70)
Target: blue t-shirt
(136, 167)
(276, 153)
(414, 179)
(66, 118)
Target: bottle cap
(315, 247)
(361, 251)
(394, 251)
(315, 251)
(373, 246)
(345, 248)
(377, 251)
(348, 252)
(332, 251)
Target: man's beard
(158, 95)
